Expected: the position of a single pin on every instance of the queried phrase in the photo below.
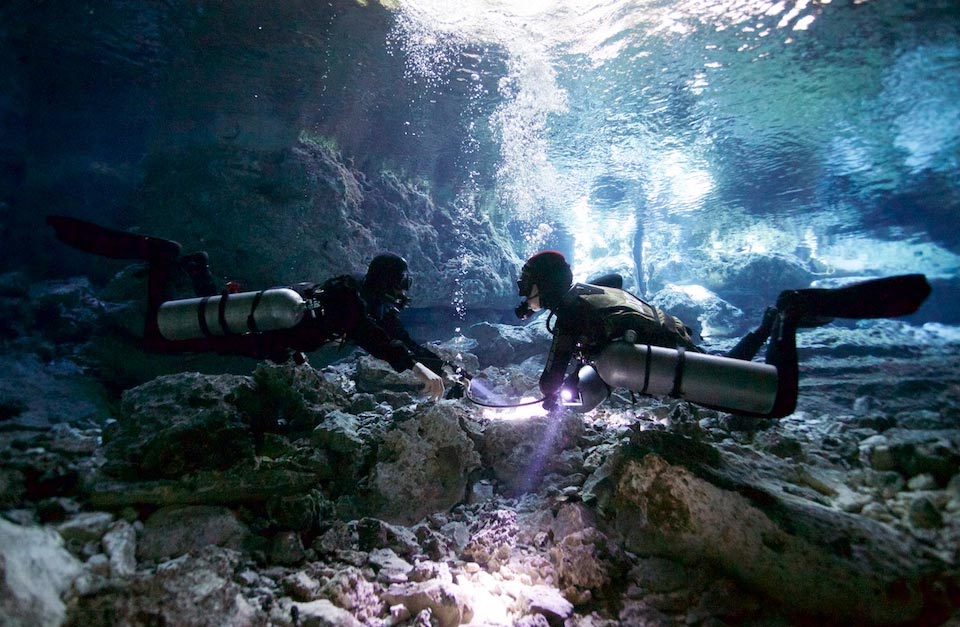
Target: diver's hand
(551, 402)
(432, 382)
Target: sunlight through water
(641, 134)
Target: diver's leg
(93, 238)
(159, 290)
(753, 341)
(782, 353)
(888, 297)
(197, 267)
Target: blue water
(827, 132)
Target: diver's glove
(551, 401)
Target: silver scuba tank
(720, 382)
(230, 314)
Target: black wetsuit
(589, 317)
(339, 310)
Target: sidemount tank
(719, 382)
(230, 314)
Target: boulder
(521, 452)
(449, 604)
(37, 572)
(781, 546)
(193, 589)
(423, 465)
(173, 531)
(177, 424)
(504, 344)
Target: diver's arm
(554, 372)
(392, 325)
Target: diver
(277, 323)
(620, 341)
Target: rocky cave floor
(337, 496)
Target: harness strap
(202, 316)
(222, 315)
(251, 321)
(678, 373)
(646, 370)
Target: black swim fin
(888, 297)
(93, 238)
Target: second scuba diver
(277, 323)
(620, 341)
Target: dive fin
(99, 240)
(887, 297)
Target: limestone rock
(190, 590)
(492, 538)
(667, 510)
(521, 452)
(176, 424)
(423, 465)
(503, 344)
(36, 574)
(173, 531)
(449, 605)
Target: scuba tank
(722, 383)
(230, 314)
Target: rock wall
(287, 141)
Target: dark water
(829, 131)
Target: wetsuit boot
(93, 238)
(888, 297)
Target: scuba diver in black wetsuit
(621, 341)
(277, 323)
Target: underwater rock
(178, 424)
(422, 465)
(349, 214)
(36, 393)
(319, 613)
(748, 281)
(37, 572)
(350, 590)
(373, 534)
(85, 527)
(338, 433)
(914, 452)
(706, 315)
(504, 344)
(286, 548)
(521, 452)
(739, 511)
(376, 376)
(120, 546)
(173, 531)
(583, 565)
(448, 603)
(193, 589)
(547, 602)
(780, 547)
(492, 538)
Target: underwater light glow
(524, 412)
